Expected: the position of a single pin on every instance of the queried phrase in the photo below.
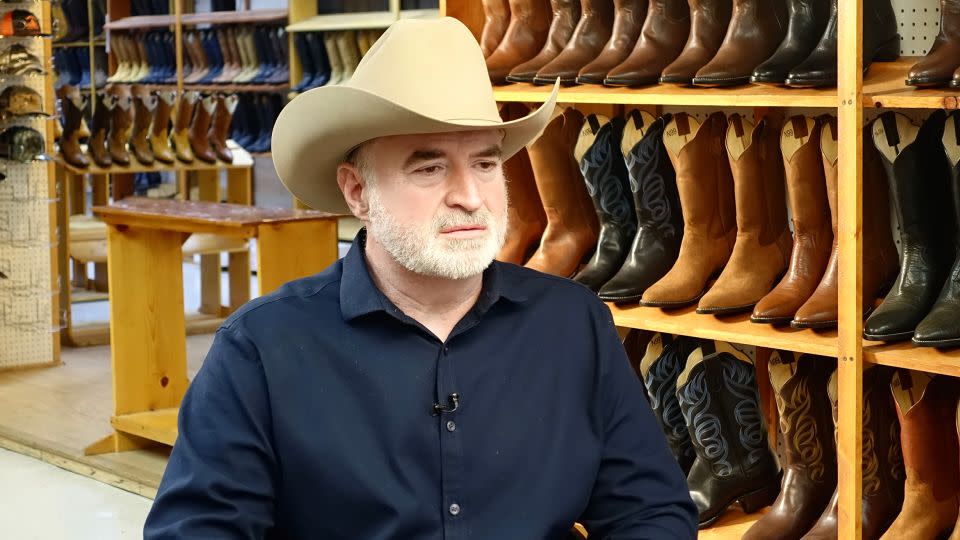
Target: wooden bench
(148, 334)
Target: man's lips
(463, 229)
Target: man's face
(438, 203)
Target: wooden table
(148, 334)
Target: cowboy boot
(881, 43)
(918, 172)
(879, 252)
(566, 15)
(349, 53)
(955, 535)
(143, 106)
(121, 125)
(927, 409)
(572, 226)
(496, 18)
(806, 23)
(635, 344)
(526, 217)
(199, 141)
(941, 327)
(665, 31)
(333, 55)
(734, 463)
(659, 368)
(811, 208)
(757, 28)
(97, 145)
(809, 458)
(657, 203)
(762, 248)
(608, 183)
(705, 184)
(628, 20)
(592, 33)
(525, 36)
(159, 133)
(709, 20)
(883, 474)
(220, 126)
(181, 126)
(71, 103)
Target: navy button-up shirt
(312, 417)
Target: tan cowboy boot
(159, 133)
(526, 219)
(349, 53)
(199, 141)
(143, 106)
(333, 55)
(121, 125)
(220, 127)
(181, 126)
(71, 103)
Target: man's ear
(352, 186)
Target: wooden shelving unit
(192, 19)
(227, 88)
(906, 355)
(344, 21)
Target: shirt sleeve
(221, 478)
(640, 492)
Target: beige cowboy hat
(421, 76)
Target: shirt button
(451, 426)
(454, 509)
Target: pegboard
(918, 22)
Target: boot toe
(621, 291)
(929, 74)
(723, 303)
(811, 76)
(631, 77)
(815, 316)
(941, 328)
(771, 74)
(890, 325)
(521, 76)
(777, 310)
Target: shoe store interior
(738, 180)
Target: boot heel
(763, 497)
(888, 51)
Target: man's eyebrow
(423, 155)
(490, 151)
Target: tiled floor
(41, 502)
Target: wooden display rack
(211, 313)
(883, 87)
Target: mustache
(461, 218)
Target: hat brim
(315, 131)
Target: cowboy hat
(421, 76)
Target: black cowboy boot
(601, 161)
(663, 362)
(808, 19)
(918, 173)
(657, 203)
(718, 397)
(941, 327)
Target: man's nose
(464, 190)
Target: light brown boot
(813, 200)
(526, 218)
(199, 141)
(143, 106)
(220, 126)
(181, 126)
(572, 224)
(496, 18)
(349, 53)
(927, 410)
(705, 183)
(121, 125)
(763, 244)
(160, 133)
(71, 103)
(201, 66)
(333, 56)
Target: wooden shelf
(420, 14)
(345, 21)
(78, 44)
(732, 526)
(191, 19)
(734, 329)
(159, 425)
(885, 86)
(227, 88)
(241, 159)
(907, 355)
(661, 94)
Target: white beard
(421, 250)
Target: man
(414, 390)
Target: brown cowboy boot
(496, 18)
(879, 252)
(705, 183)
(143, 105)
(525, 36)
(664, 34)
(97, 146)
(566, 15)
(181, 126)
(809, 461)
(572, 225)
(927, 407)
(220, 126)
(199, 141)
(592, 33)
(159, 133)
(628, 19)
(813, 201)
(71, 103)
(709, 20)
(121, 125)
(761, 251)
(526, 218)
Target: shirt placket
(451, 450)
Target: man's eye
(429, 170)
(488, 165)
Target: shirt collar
(360, 296)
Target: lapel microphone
(453, 403)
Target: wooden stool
(148, 334)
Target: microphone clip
(453, 404)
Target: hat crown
(433, 67)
